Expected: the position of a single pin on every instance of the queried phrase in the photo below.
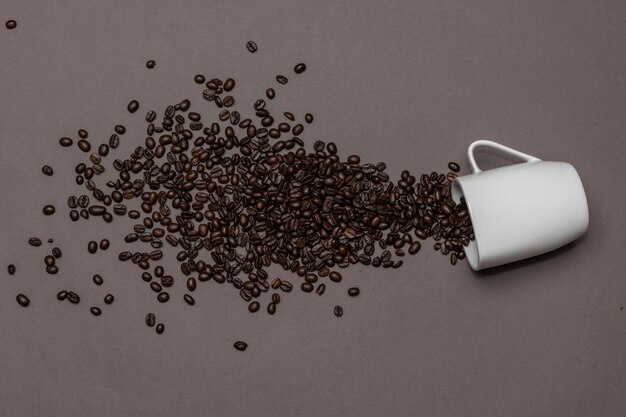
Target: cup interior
(471, 251)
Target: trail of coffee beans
(237, 192)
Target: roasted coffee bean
(114, 141)
(48, 210)
(83, 133)
(120, 129)
(299, 68)
(286, 286)
(454, 167)
(252, 46)
(65, 141)
(335, 276)
(271, 308)
(309, 119)
(97, 279)
(163, 297)
(353, 291)
(189, 299)
(414, 248)
(228, 101)
(151, 116)
(74, 215)
(62, 295)
(133, 106)
(83, 202)
(241, 346)
(108, 299)
(52, 269)
(34, 241)
(10, 24)
(56, 252)
(281, 79)
(49, 260)
(275, 298)
(270, 93)
(320, 289)
(167, 280)
(95, 311)
(11, 269)
(72, 297)
(191, 284)
(22, 300)
(150, 64)
(104, 244)
(150, 319)
(47, 170)
(254, 306)
(160, 328)
(338, 310)
(156, 287)
(306, 287)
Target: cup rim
(475, 254)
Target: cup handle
(497, 146)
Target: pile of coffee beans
(236, 193)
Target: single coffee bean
(309, 119)
(338, 310)
(199, 79)
(49, 260)
(254, 306)
(34, 241)
(275, 298)
(92, 246)
(47, 170)
(229, 84)
(11, 24)
(65, 141)
(104, 244)
(150, 319)
(252, 46)
(299, 68)
(150, 64)
(156, 287)
(163, 297)
(335, 276)
(62, 295)
(241, 346)
(83, 133)
(56, 252)
(48, 210)
(95, 311)
(286, 286)
(228, 101)
(271, 308)
(189, 299)
(132, 107)
(114, 141)
(281, 79)
(151, 116)
(98, 280)
(11, 269)
(306, 287)
(84, 146)
(270, 93)
(160, 328)
(353, 291)
(320, 289)
(276, 283)
(191, 284)
(414, 248)
(454, 167)
(52, 269)
(121, 129)
(108, 299)
(73, 298)
(22, 300)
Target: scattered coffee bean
(48, 210)
(163, 297)
(309, 119)
(150, 64)
(191, 284)
(454, 167)
(189, 299)
(73, 297)
(299, 68)
(241, 346)
(252, 46)
(338, 310)
(10, 24)
(132, 107)
(199, 79)
(49, 260)
(62, 295)
(56, 252)
(64, 141)
(121, 129)
(254, 306)
(52, 269)
(22, 300)
(34, 241)
(229, 84)
(270, 93)
(150, 319)
(95, 311)
(104, 244)
(353, 291)
(11, 269)
(92, 246)
(47, 170)
(281, 79)
(82, 133)
(108, 299)
(160, 328)
(97, 279)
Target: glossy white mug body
(521, 210)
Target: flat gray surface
(409, 83)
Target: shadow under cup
(520, 211)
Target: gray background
(408, 83)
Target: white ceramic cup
(521, 210)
